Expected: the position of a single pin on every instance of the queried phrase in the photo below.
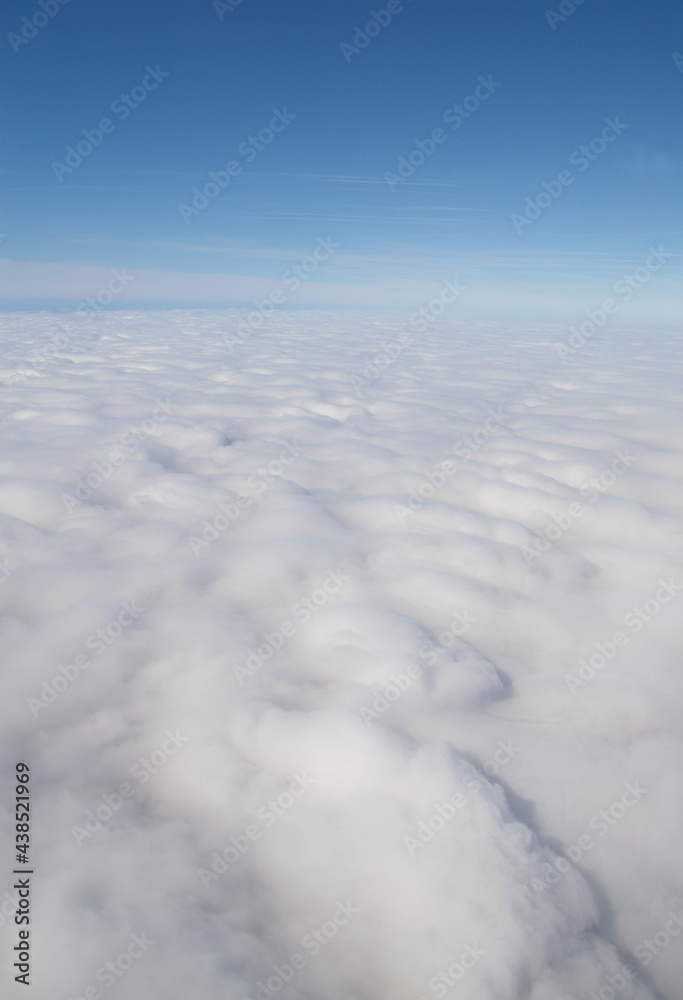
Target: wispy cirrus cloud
(352, 179)
(494, 289)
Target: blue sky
(551, 88)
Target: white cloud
(490, 767)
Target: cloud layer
(346, 664)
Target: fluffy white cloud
(285, 740)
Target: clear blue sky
(323, 175)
